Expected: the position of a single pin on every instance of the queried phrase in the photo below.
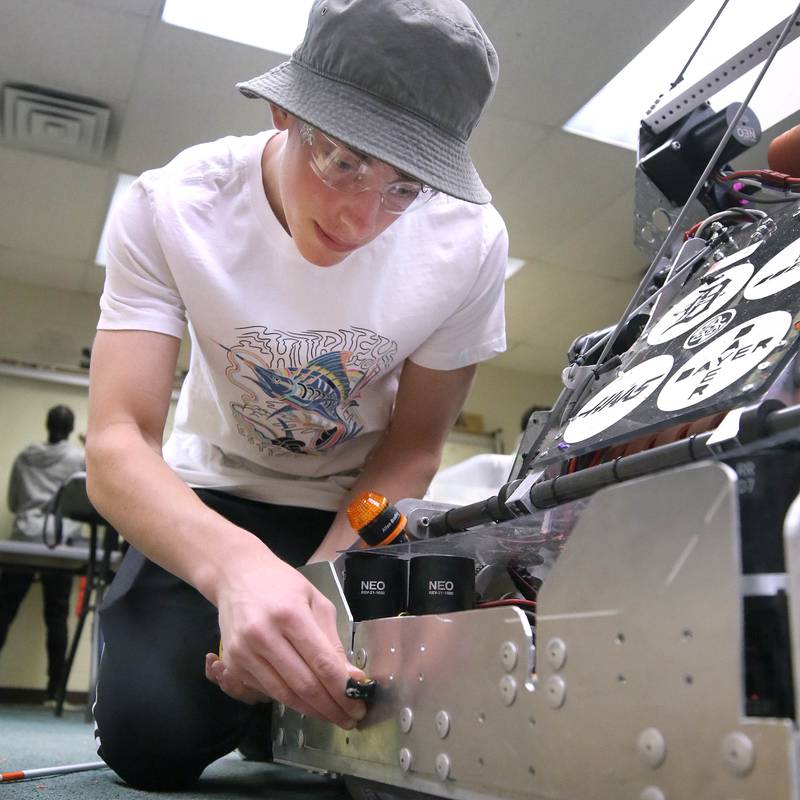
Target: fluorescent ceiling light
(513, 266)
(123, 184)
(276, 25)
(614, 113)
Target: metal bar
(563, 488)
(736, 66)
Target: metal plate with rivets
(646, 594)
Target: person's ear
(281, 119)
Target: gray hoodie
(37, 473)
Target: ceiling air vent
(45, 121)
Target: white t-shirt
(294, 368)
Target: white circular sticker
(724, 361)
(779, 273)
(709, 329)
(698, 306)
(625, 393)
(734, 257)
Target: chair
(72, 502)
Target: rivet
(738, 754)
(508, 689)
(405, 758)
(556, 691)
(301, 739)
(443, 766)
(556, 653)
(652, 747)
(442, 724)
(508, 655)
(280, 738)
(361, 658)
(406, 719)
(281, 709)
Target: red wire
(508, 602)
(768, 176)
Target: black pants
(160, 722)
(56, 586)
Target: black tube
(765, 419)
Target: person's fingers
(325, 661)
(303, 681)
(324, 612)
(242, 686)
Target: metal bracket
(736, 66)
(726, 435)
(519, 501)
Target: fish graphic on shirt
(321, 386)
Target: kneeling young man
(341, 276)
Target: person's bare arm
(278, 632)
(427, 404)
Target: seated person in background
(36, 475)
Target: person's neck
(270, 171)
(55, 440)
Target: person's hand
(280, 641)
(218, 673)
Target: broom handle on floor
(43, 772)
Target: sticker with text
(699, 305)
(625, 393)
(724, 361)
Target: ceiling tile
(549, 306)
(554, 56)
(51, 206)
(565, 182)
(92, 52)
(603, 245)
(500, 144)
(186, 94)
(141, 8)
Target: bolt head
(556, 653)
(406, 719)
(508, 690)
(652, 747)
(555, 691)
(508, 656)
(361, 658)
(405, 758)
(738, 754)
(443, 766)
(442, 724)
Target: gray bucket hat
(404, 81)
